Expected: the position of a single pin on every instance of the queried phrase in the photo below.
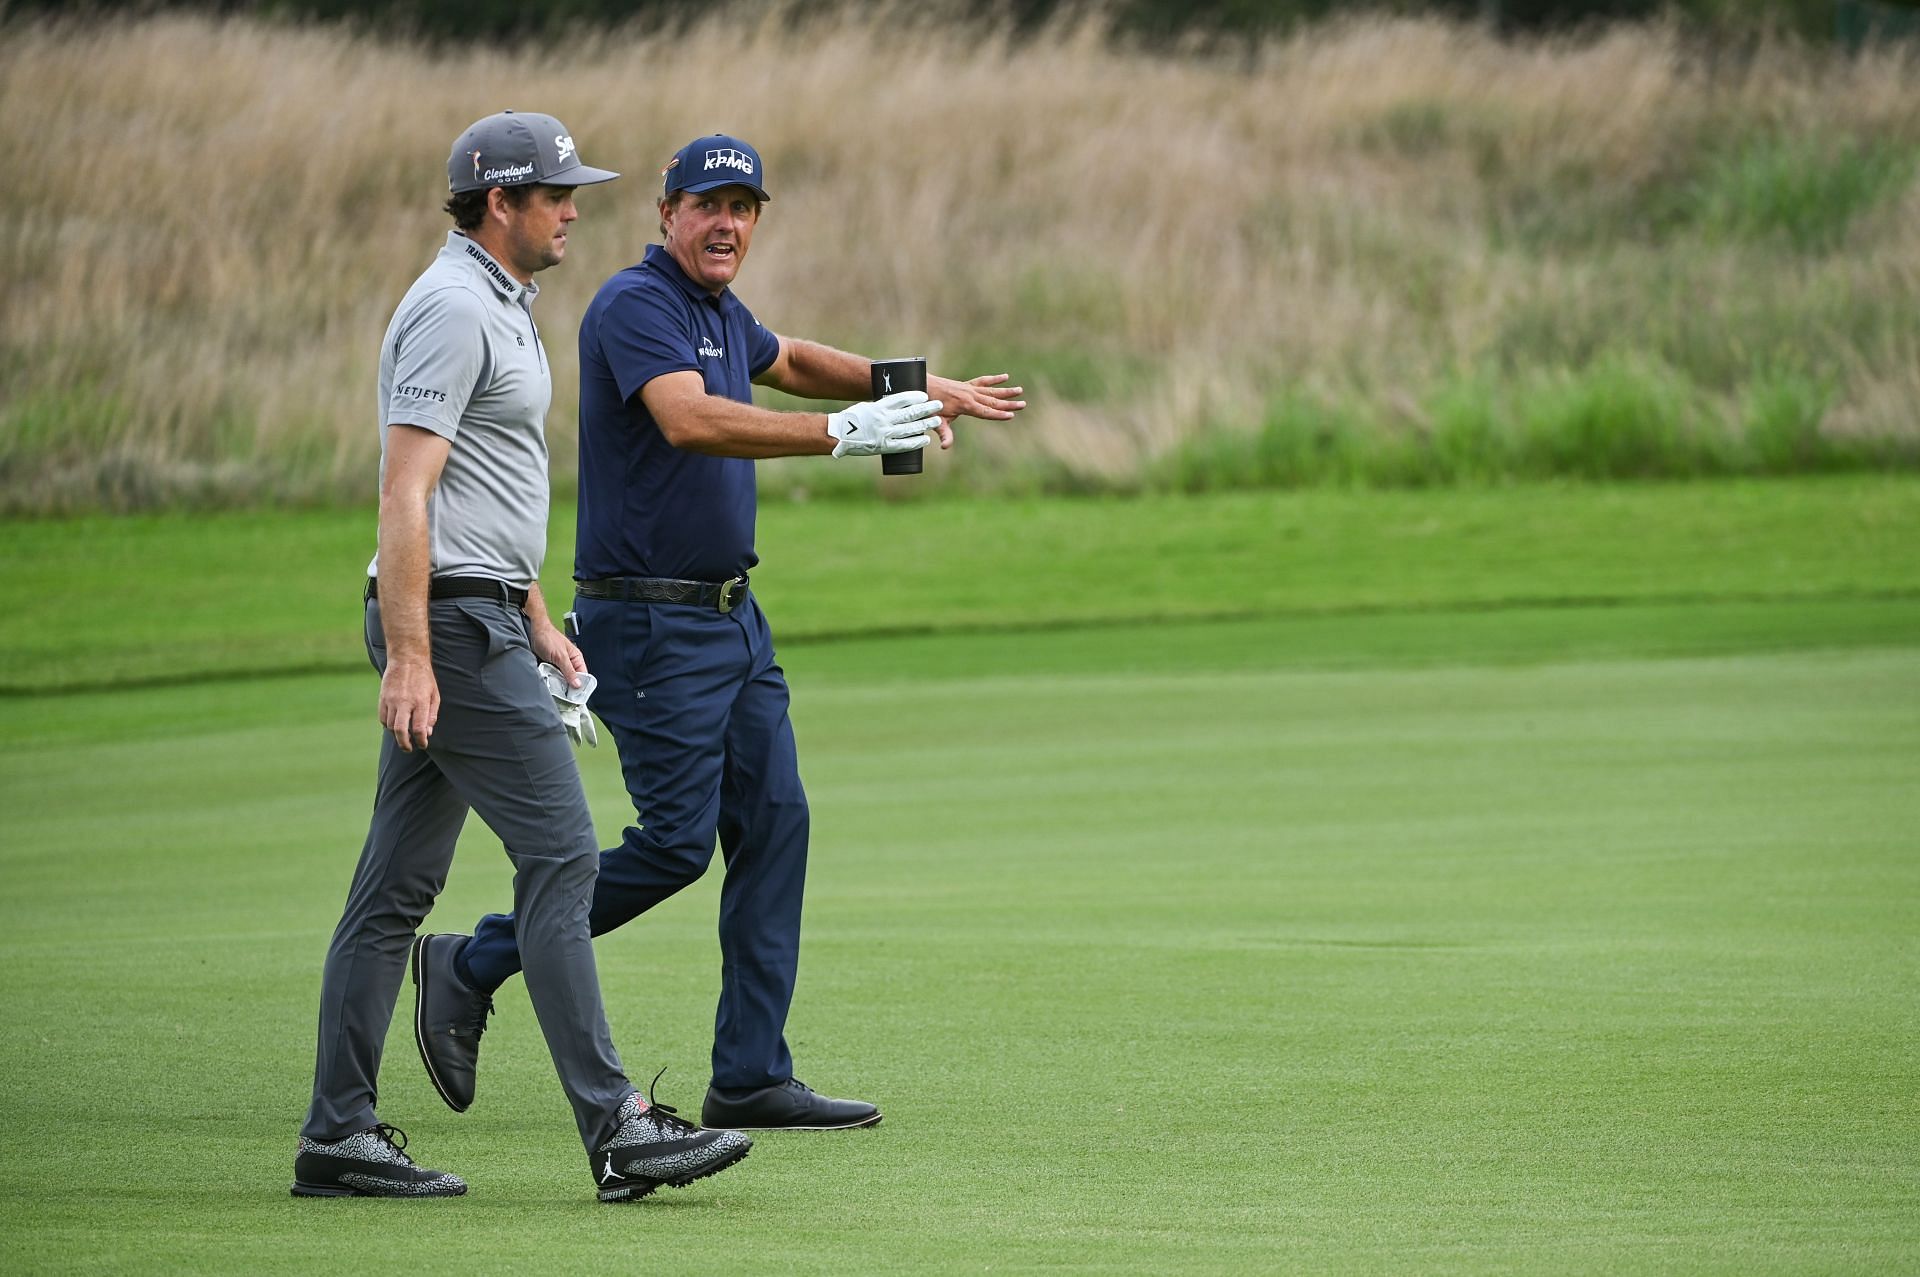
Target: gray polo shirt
(463, 359)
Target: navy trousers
(697, 706)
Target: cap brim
(697, 188)
(579, 175)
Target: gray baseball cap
(518, 148)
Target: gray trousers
(499, 748)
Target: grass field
(1495, 932)
(111, 601)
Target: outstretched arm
(813, 371)
(692, 419)
(810, 370)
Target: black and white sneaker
(369, 1164)
(655, 1147)
(448, 1019)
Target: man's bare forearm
(723, 428)
(814, 371)
(403, 576)
(692, 419)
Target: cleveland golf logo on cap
(511, 173)
(727, 157)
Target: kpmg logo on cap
(727, 157)
(565, 142)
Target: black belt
(723, 596)
(463, 587)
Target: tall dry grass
(1403, 232)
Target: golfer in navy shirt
(688, 682)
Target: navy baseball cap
(518, 148)
(707, 163)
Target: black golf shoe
(371, 1163)
(448, 1019)
(790, 1106)
(654, 1146)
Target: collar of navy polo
(658, 258)
(470, 252)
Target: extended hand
(898, 423)
(983, 397)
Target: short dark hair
(469, 208)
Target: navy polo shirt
(648, 508)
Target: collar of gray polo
(496, 274)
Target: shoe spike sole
(630, 1192)
(334, 1190)
(862, 1124)
(715, 1169)
(634, 1192)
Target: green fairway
(1167, 962)
(102, 601)
(1518, 881)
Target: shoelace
(396, 1140)
(478, 1023)
(670, 1118)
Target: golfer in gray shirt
(458, 630)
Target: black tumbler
(890, 377)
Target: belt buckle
(729, 591)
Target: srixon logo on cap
(729, 158)
(565, 144)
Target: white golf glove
(898, 423)
(572, 704)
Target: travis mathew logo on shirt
(710, 350)
(492, 268)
